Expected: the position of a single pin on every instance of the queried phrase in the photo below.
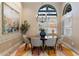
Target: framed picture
(10, 19)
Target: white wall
(74, 41)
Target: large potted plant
(24, 28)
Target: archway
(47, 18)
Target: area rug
(36, 52)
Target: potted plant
(24, 28)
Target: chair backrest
(25, 39)
(60, 40)
(62, 36)
(50, 42)
(36, 42)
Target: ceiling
(25, 4)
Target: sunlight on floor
(66, 52)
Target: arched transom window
(47, 10)
(67, 9)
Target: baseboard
(74, 49)
(9, 51)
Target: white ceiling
(25, 4)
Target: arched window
(47, 9)
(67, 20)
(47, 18)
(67, 8)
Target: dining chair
(60, 41)
(51, 43)
(36, 44)
(26, 41)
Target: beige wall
(0, 19)
(30, 11)
(74, 41)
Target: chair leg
(32, 50)
(25, 47)
(54, 50)
(38, 51)
(60, 47)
